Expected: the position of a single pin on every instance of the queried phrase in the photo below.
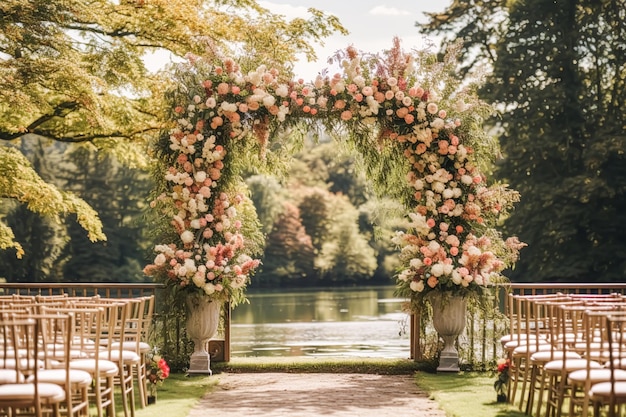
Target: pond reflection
(330, 322)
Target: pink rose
(222, 88)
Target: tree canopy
(558, 76)
(75, 72)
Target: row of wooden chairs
(566, 352)
(101, 346)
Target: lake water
(364, 322)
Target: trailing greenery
(78, 72)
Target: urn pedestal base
(200, 364)
(449, 321)
(203, 317)
(448, 362)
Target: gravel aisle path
(311, 394)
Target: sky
(372, 25)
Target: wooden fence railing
(75, 289)
(483, 330)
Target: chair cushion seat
(510, 342)
(547, 356)
(596, 375)
(603, 390)
(10, 376)
(10, 363)
(89, 365)
(57, 376)
(570, 365)
(23, 392)
(617, 363)
(143, 347)
(128, 356)
(525, 349)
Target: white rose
(437, 269)
(416, 263)
(187, 236)
(269, 100)
(438, 187)
(190, 265)
(255, 77)
(282, 90)
(208, 288)
(433, 246)
(198, 280)
(456, 277)
(404, 275)
(438, 123)
(160, 260)
(448, 193)
(467, 179)
(417, 286)
(200, 176)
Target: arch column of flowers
(403, 102)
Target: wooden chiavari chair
(89, 320)
(28, 395)
(547, 319)
(612, 394)
(596, 349)
(571, 338)
(535, 328)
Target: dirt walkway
(312, 395)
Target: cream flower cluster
(210, 253)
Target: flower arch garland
(407, 103)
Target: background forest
(557, 76)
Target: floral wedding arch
(405, 112)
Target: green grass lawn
(465, 394)
(175, 397)
(460, 395)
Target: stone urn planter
(203, 317)
(449, 316)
